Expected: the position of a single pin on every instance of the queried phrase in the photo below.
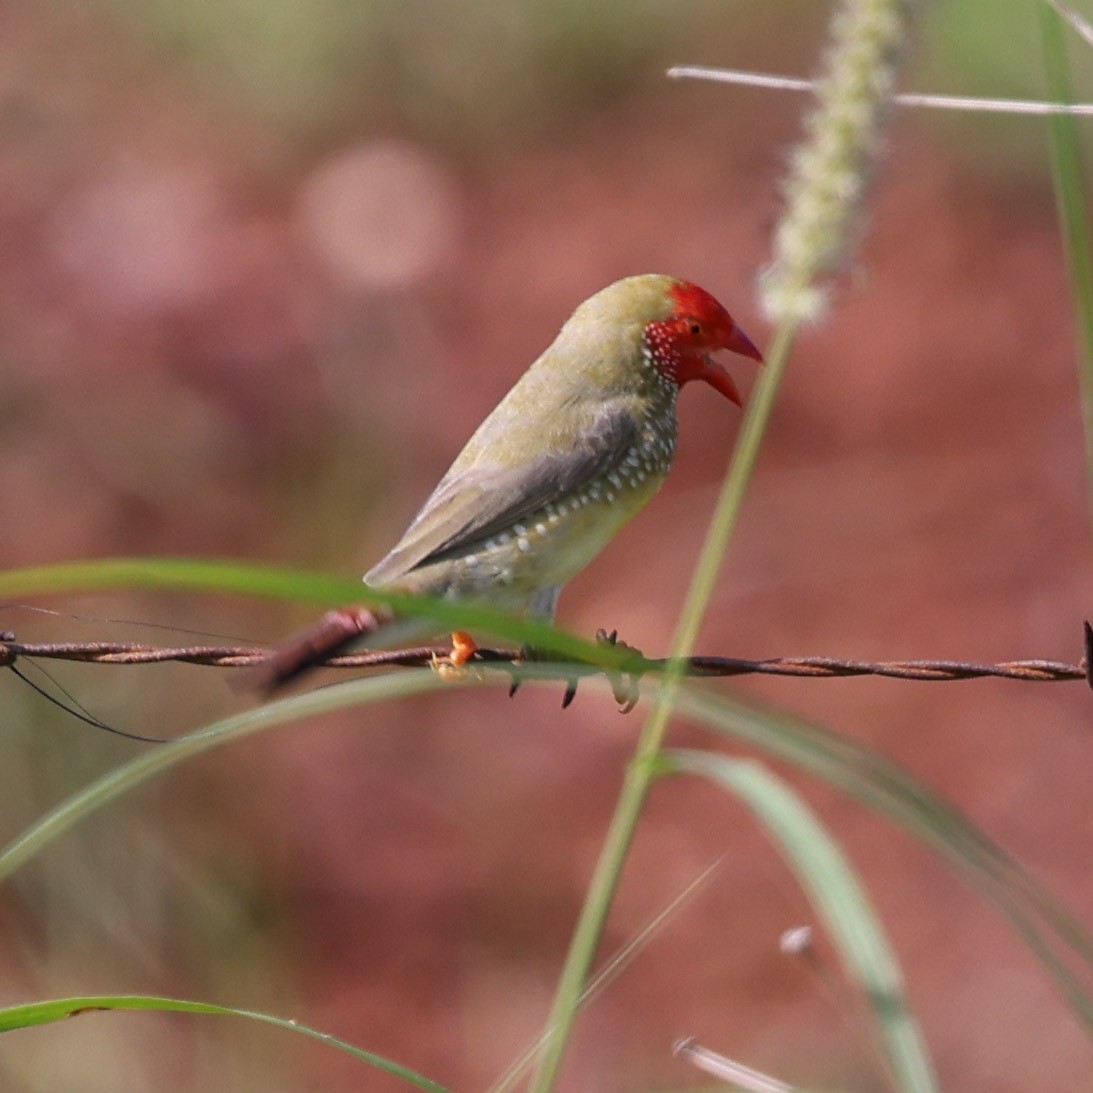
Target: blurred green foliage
(980, 47)
(470, 69)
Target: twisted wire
(813, 667)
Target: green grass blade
(163, 758)
(1046, 927)
(178, 574)
(247, 579)
(58, 1009)
(1070, 191)
(624, 822)
(839, 898)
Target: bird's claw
(624, 685)
(624, 688)
(625, 691)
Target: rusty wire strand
(817, 667)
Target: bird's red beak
(739, 342)
(716, 375)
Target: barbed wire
(813, 667)
(623, 678)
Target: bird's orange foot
(454, 666)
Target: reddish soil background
(217, 340)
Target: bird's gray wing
(471, 505)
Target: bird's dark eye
(696, 329)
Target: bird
(577, 447)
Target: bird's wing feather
(471, 505)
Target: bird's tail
(332, 634)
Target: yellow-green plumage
(567, 457)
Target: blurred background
(263, 267)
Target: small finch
(566, 458)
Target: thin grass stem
(642, 770)
(826, 182)
(1070, 189)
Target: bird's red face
(697, 327)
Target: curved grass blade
(1071, 188)
(246, 579)
(118, 782)
(1040, 920)
(839, 897)
(57, 1009)
(1046, 927)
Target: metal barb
(570, 693)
